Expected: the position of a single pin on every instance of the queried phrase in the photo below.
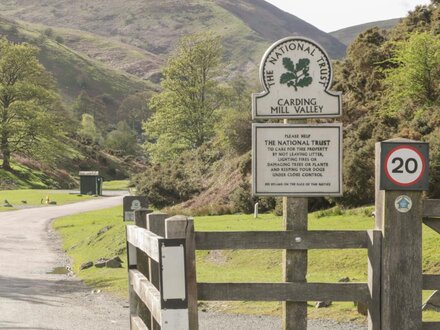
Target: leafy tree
(88, 131)
(234, 128)
(86, 104)
(134, 110)
(28, 102)
(122, 140)
(186, 108)
(417, 76)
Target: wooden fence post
(155, 224)
(295, 211)
(132, 296)
(140, 217)
(181, 226)
(401, 278)
(374, 278)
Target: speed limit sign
(404, 166)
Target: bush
(48, 32)
(242, 199)
(278, 210)
(122, 140)
(175, 181)
(59, 39)
(334, 211)
(166, 184)
(235, 131)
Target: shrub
(59, 39)
(242, 199)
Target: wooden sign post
(401, 176)
(296, 161)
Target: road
(30, 298)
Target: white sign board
(173, 273)
(297, 160)
(296, 74)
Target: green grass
(83, 244)
(116, 185)
(33, 197)
(24, 177)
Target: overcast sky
(332, 15)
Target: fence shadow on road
(36, 291)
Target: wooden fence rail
(284, 240)
(431, 208)
(431, 282)
(431, 214)
(296, 292)
(430, 325)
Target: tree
(122, 140)
(186, 107)
(416, 78)
(86, 104)
(134, 110)
(234, 128)
(88, 131)
(28, 102)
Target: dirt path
(30, 298)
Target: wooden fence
(158, 272)
(149, 303)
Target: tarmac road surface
(30, 298)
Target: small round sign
(404, 165)
(403, 204)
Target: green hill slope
(247, 26)
(348, 35)
(72, 70)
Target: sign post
(296, 160)
(131, 204)
(402, 173)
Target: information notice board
(297, 159)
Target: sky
(332, 15)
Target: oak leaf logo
(298, 75)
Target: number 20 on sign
(404, 166)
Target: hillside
(72, 70)
(153, 27)
(349, 34)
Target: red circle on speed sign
(404, 165)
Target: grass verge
(36, 197)
(116, 185)
(82, 242)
